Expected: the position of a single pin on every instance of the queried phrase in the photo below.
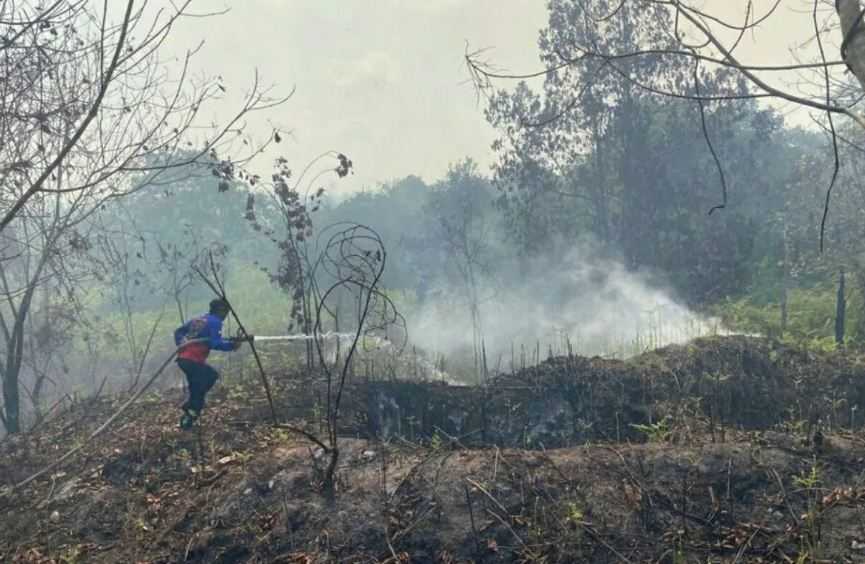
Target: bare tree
(177, 260)
(35, 255)
(89, 113)
(47, 349)
(124, 265)
(133, 264)
(352, 261)
(703, 39)
(85, 89)
(458, 209)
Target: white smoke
(592, 305)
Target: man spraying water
(197, 337)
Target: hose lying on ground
(110, 420)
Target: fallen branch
(507, 525)
(783, 494)
(592, 533)
(489, 496)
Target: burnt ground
(238, 489)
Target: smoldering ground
(581, 301)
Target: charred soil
(724, 450)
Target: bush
(810, 317)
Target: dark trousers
(201, 378)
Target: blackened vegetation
(709, 387)
(714, 461)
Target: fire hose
(151, 380)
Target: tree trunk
(785, 273)
(849, 13)
(859, 280)
(840, 310)
(38, 389)
(11, 404)
(601, 192)
(784, 312)
(15, 351)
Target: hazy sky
(381, 80)
(384, 80)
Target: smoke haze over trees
(596, 294)
(590, 230)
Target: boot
(188, 419)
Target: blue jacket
(208, 327)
